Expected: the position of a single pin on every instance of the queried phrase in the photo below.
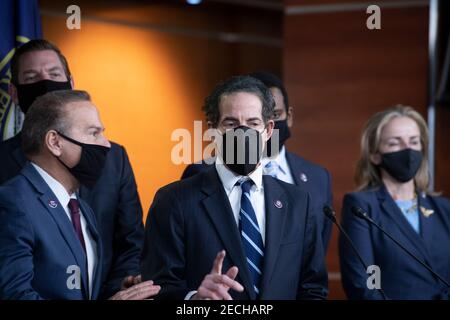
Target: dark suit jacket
(116, 205)
(38, 243)
(401, 276)
(318, 184)
(191, 220)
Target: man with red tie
(50, 247)
(38, 67)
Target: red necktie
(74, 207)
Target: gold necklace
(413, 207)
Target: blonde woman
(392, 178)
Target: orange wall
(138, 89)
(147, 83)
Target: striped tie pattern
(251, 236)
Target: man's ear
(12, 91)
(375, 158)
(269, 127)
(290, 117)
(53, 142)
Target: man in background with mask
(230, 227)
(39, 67)
(285, 165)
(50, 246)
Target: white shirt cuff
(190, 295)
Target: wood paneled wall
(338, 73)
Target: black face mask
(241, 149)
(402, 165)
(27, 93)
(283, 134)
(90, 166)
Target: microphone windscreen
(357, 211)
(329, 212)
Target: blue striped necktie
(251, 236)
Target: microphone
(329, 212)
(360, 213)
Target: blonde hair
(367, 175)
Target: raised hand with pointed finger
(215, 285)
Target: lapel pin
(426, 212)
(278, 204)
(52, 204)
(303, 177)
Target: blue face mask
(402, 165)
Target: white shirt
(283, 172)
(64, 198)
(234, 193)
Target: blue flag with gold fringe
(19, 23)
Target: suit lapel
(391, 209)
(67, 231)
(57, 212)
(90, 219)
(91, 226)
(219, 210)
(276, 210)
(433, 218)
(427, 218)
(85, 194)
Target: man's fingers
(138, 292)
(127, 282)
(144, 293)
(218, 262)
(219, 290)
(137, 279)
(133, 292)
(216, 285)
(204, 293)
(142, 284)
(130, 281)
(232, 272)
(225, 280)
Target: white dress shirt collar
(229, 178)
(58, 189)
(280, 160)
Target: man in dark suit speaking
(50, 246)
(285, 165)
(260, 230)
(39, 67)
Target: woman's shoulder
(363, 195)
(440, 200)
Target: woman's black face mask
(402, 165)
